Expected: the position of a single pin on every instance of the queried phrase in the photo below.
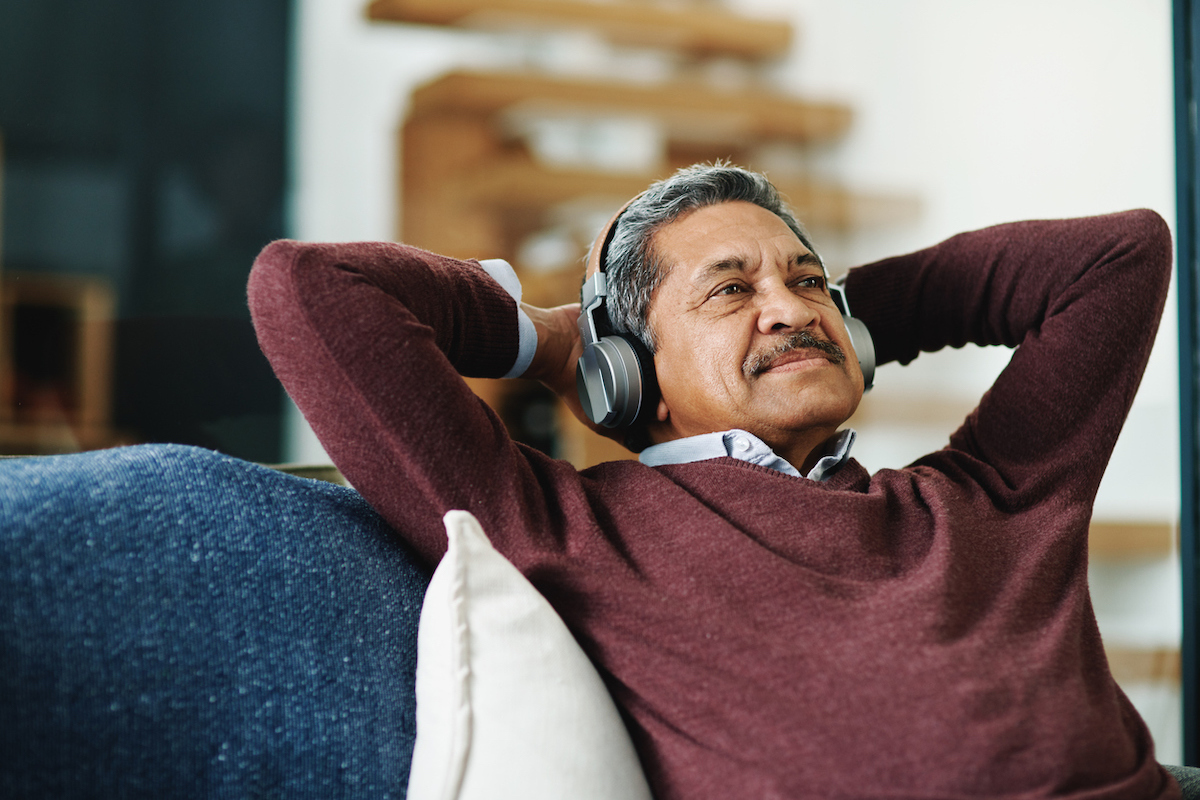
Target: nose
(783, 310)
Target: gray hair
(634, 270)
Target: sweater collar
(745, 446)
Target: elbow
(270, 274)
(1153, 237)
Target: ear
(663, 413)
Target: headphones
(615, 374)
(860, 337)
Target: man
(773, 620)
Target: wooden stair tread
(516, 181)
(697, 29)
(701, 111)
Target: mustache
(760, 362)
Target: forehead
(735, 230)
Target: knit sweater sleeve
(1079, 299)
(371, 340)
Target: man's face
(744, 323)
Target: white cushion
(508, 705)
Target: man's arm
(1081, 301)
(370, 340)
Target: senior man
(773, 620)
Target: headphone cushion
(864, 348)
(615, 379)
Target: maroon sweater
(918, 633)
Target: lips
(792, 347)
(795, 356)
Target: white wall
(991, 112)
(987, 111)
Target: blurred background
(144, 165)
(150, 149)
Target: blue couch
(178, 623)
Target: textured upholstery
(177, 623)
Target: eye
(730, 289)
(811, 282)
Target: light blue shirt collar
(745, 446)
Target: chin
(820, 406)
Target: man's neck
(804, 451)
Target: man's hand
(558, 350)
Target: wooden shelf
(471, 188)
(70, 410)
(52, 438)
(518, 181)
(317, 472)
(692, 110)
(1149, 665)
(1122, 541)
(698, 29)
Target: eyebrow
(808, 260)
(735, 263)
(716, 268)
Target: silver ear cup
(864, 347)
(860, 337)
(609, 381)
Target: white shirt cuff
(502, 273)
